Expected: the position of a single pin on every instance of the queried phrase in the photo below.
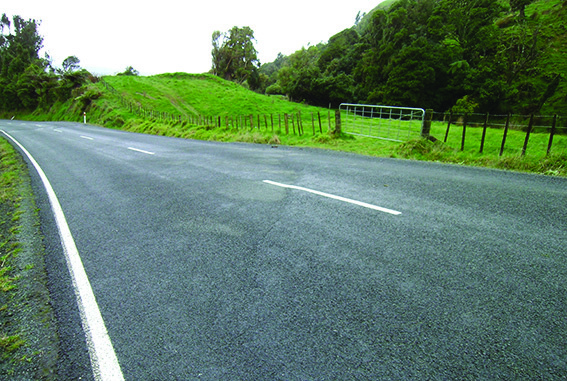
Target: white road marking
(57, 130)
(86, 137)
(103, 358)
(344, 199)
(141, 150)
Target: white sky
(175, 35)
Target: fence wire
(510, 133)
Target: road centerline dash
(339, 198)
(141, 150)
(86, 137)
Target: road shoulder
(28, 324)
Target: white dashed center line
(344, 199)
(141, 150)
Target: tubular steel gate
(397, 124)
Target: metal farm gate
(398, 124)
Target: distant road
(222, 261)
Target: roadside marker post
(85, 117)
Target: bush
(88, 96)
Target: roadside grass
(186, 96)
(10, 168)
(28, 336)
(535, 160)
(208, 95)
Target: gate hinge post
(426, 127)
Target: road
(221, 261)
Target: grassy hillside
(187, 95)
(199, 94)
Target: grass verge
(249, 117)
(28, 338)
(536, 161)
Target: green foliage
(130, 71)
(503, 56)
(235, 57)
(9, 180)
(464, 106)
(26, 81)
(71, 63)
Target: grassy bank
(191, 106)
(28, 338)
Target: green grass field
(206, 107)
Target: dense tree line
(465, 55)
(28, 82)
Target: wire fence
(501, 133)
(487, 133)
(294, 123)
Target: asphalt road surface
(203, 270)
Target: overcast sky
(175, 35)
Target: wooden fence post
(528, 132)
(484, 133)
(551, 133)
(448, 126)
(338, 126)
(505, 133)
(426, 128)
(286, 124)
(293, 123)
(320, 126)
(464, 132)
(313, 123)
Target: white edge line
(141, 150)
(344, 199)
(103, 358)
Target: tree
(28, 82)
(469, 24)
(130, 71)
(388, 33)
(416, 75)
(520, 6)
(4, 22)
(234, 56)
(18, 51)
(337, 55)
(70, 64)
(298, 78)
